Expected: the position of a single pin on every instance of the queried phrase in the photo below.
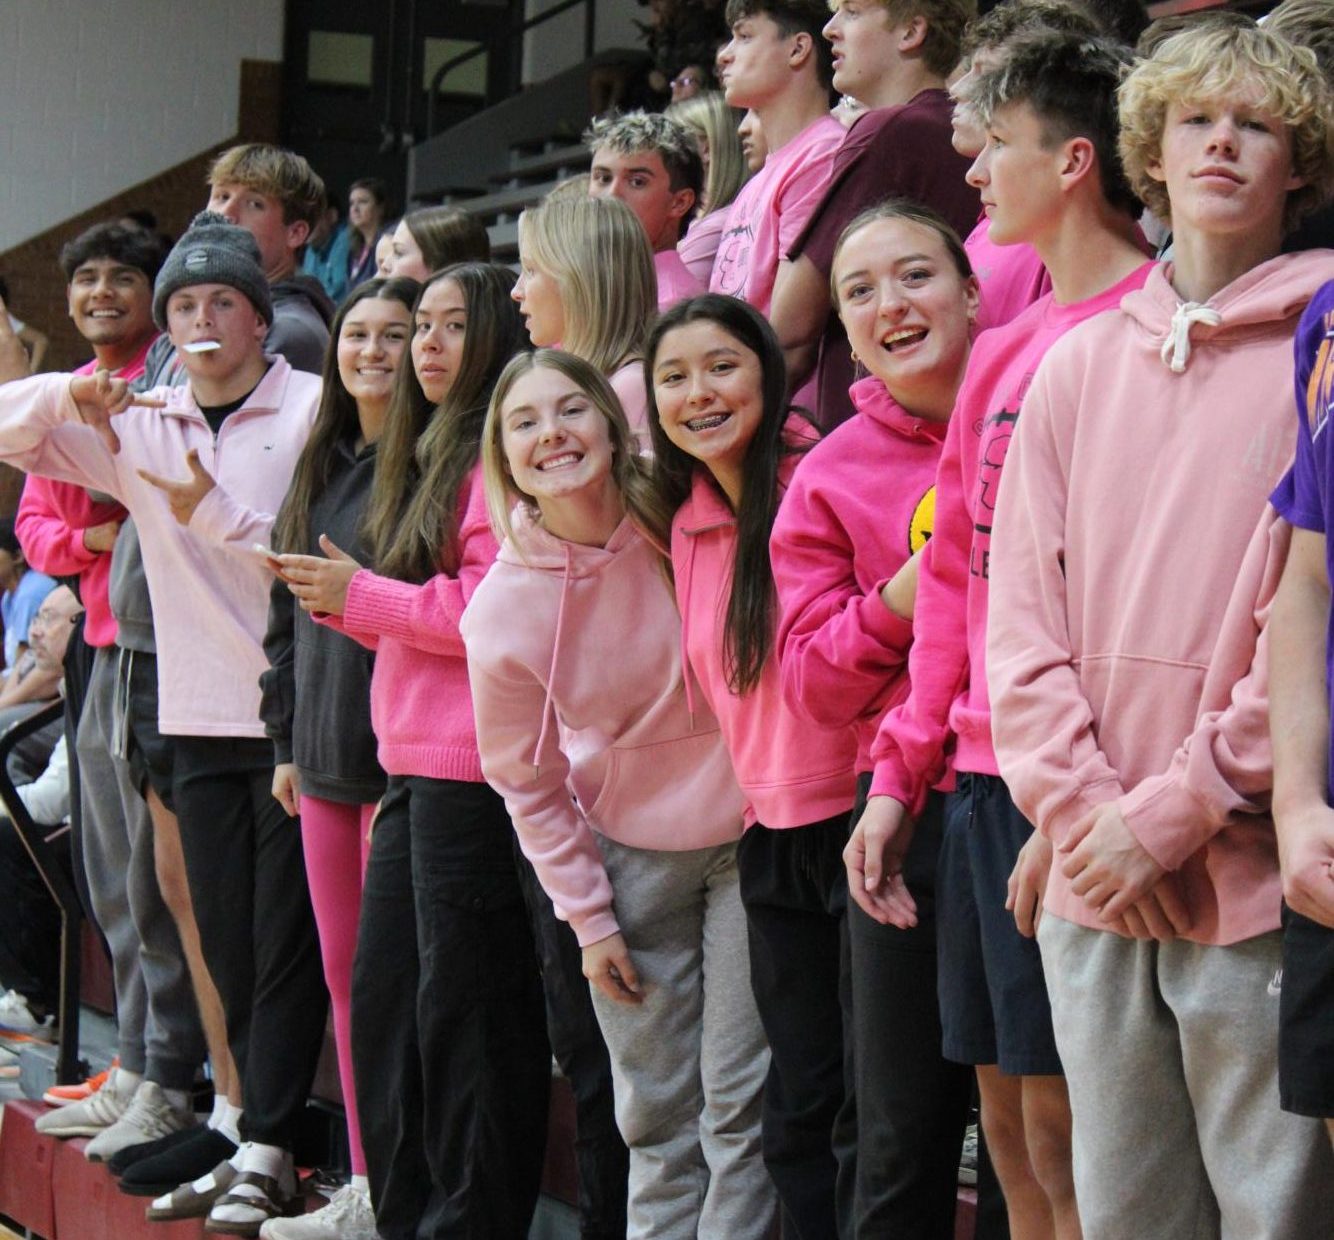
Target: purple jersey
(1304, 496)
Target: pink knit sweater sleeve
(1225, 766)
(426, 616)
(840, 650)
(1042, 723)
(911, 747)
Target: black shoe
(122, 1160)
(181, 1164)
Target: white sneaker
(88, 1118)
(348, 1216)
(150, 1116)
(16, 1016)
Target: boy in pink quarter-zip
(202, 469)
(1134, 563)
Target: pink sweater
(793, 773)
(947, 662)
(1011, 277)
(676, 281)
(209, 589)
(861, 502)
(582, 715)
(1133, 583)
(421, 704)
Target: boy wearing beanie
(202, 468)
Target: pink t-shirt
(1011, 277)
(699, 246)
(771, 212)
(947, 662)
(676, 281)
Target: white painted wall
(559, 43)
(98, 95)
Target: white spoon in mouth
(202, 346)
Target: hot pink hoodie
(209, 588)
(1132, 585)
(574, 654)
(421, 703)
(792, 771)
(947, 662)
(860, 503)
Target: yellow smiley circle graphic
(923, 521)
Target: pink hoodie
(574, 654)
(860, 503)
(793, 772)
(1132, 585)
(210, 590)
(421, 703)
(947, 662)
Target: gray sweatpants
(160, 1034)
(1171, 1058)
(689, 1063)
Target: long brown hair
(335, 420)
(425, 454)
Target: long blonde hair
(597, 252)
(707, 116)
(629, 471)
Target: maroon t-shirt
(899, 152)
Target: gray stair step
(561, 162)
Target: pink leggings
(335, 839)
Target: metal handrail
(511, 32)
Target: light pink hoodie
(574, 656)
(209, 588)
(793, 772)
(1134, 560)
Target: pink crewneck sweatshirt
(582, 716)
(1010, 277)
(946, 666)
(1136, 559)
(421, 704)
(676, 281)
(793, 772)
(861, 502)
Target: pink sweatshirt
(947, 663)
(699, 247)
(209, 589)
(421, 704)
(628, 384)
(676, 281)
(1011, 277)
(1128, 629)
(860, 503)
(582, 716)
(50, 522)
(771, 212)
(793, 772)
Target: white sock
(230, 1125)
(179, 1098)
(127, 1082)
(362, 1184)
(219, 1112)
(270, 1160)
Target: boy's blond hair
(274, 171)
(1220, 59)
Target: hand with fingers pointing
(184, 496)
(98, 398)
(320, 584)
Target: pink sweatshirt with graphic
(861, 502)
(793, 772)
(1136, 558)
(574, 654)
(947, 664)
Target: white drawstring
(1177, 344)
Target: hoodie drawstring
(547, 711)
(1176, 347)
(686, 678)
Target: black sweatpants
(449, 1039)
(601, 1160)
(247, 877)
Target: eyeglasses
(47, 617)
(685, 79)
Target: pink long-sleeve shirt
(861, 502)
(1135, 562)
(946, 665)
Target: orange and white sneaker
(63, 1095)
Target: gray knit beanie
(213, 251)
